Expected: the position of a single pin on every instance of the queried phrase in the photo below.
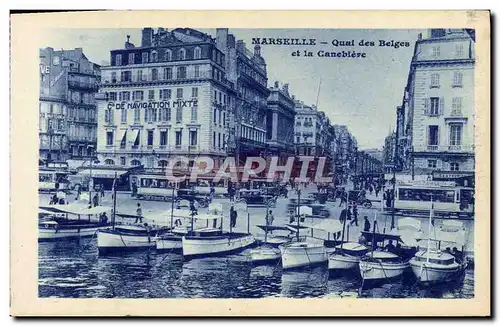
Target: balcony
(446, 148)
(83, 85)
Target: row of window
(252, 73)
(253, 134)
(81, 97)
(456, 81)
(221, 117)
(435, 106)
(167, 73)
(455, 135)
(163, 94)
(166, 55)
(150, 140)
(147, 57)
(459, 51)
(82, 114)
(432, 164)
(152, 115)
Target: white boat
(65, 222)
(434, 265)
(172, 241)
(346, 256)
(382, 265)
(301, 254)
(265, 254)
(126, 238)
(200, 243)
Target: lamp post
(91, 181)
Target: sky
(362, 93)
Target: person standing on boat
(367, 225)
(102, 190)
(53, 200)
(390, 247)
(233, 215)
(270, 218)
(138, 213)
(192, 207)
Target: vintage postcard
(276, 163)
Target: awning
(207, 217)
(76, 209)
(121, 135)
(135, 135)
(331, 226)
(101, 173)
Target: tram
(447, 198)
(50, 180)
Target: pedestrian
(377, 190)
(349, 212)
(355, 214)
(138, 213)
(233, 216)
(95, 200)
(192, 207)
(367, 225)
(212, 191)
(343, 198)
(371, 189)
(343, 215)
(134, 189)
(388, 198)
(53, 200)
(102, 190)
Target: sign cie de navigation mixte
(178, 103)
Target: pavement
(127, 204)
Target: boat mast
(431, 212)
(373, 233)
(172, 209)
(298, 212)
(345, 219)
(113, 217)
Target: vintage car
(318, 210)
(256, 197)
(189, 194)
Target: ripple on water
(64, 271)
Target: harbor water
(73, 269)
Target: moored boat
(346, 256)
(265, 254)
(382, 265)
(127, 238)
(301, 254)
(432, 264)
(65, 222)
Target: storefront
(462, 178)
(104, 176)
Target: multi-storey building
(439, 103)
(368, 163)
(68, 110)
(346, 151)
(280, 121)
(248, 72)
(307, 130)
(165, 98)
(390, 152)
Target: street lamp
(91, 181)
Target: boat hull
(171, 243)
(433, 273)
(209, 246)
(372, 270)
(110, 242)
(342, 262)
(265, 255)
(45, 234)
(297, 257)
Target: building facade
(346, 150)
(165, 98)
(307, 130)
(247, 71)
(280, 121)
(68, 109)
(439, 97)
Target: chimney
(128, 45)
(285, 88)
(276, 84)
(419, 36)
(147, 37)
(240, 45)
(221, 37)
